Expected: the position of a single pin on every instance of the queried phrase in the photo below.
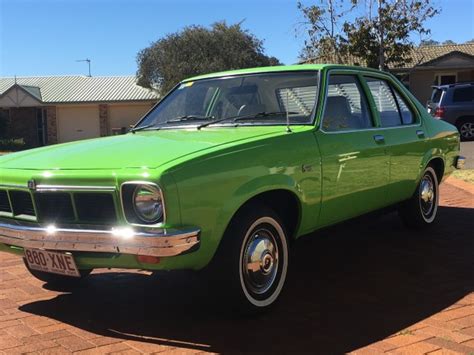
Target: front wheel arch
(285, 203)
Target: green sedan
(223, 174)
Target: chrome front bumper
(159, 242)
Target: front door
(355, 169)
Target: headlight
(148, 203)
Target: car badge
(32, 184)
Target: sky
(46, 37)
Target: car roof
(279, 68)
(447, 86)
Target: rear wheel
(252, 260)
(421, 209)
(58, 280)
(466, 128)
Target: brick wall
(51, 125)
(104, 119)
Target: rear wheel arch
(437, 163)
(464, 118)
(435, 158)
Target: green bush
(11, 144)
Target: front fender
(212, 188)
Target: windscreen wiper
(248, 117)
(141, 128)
(189, 118)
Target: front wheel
(253, 259)
(421, 209)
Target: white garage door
(75, 123)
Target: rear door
(353, 157)
(404, 133)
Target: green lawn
(465, 174)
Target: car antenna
(287, 114)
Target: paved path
(368, 286)
(467, 150)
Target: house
(56, 109)
(428, 66)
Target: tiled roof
(68, 89)
(419, 56)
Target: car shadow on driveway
(349, 286)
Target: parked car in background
(454, 103)
(224, 174)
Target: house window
(445, 79)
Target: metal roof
(419, 56)
(77, 89)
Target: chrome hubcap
(467, 130)
(427, 195)
(260, 261)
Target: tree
(198, 50)
(323, 25)
(449, 42)
(429, 42)
(383, 37)
(380, 37)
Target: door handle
(379, 138)
(420, 133)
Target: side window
(405, 111)
(392, 108)
(385, 102)
(463, 94)
(346, 106)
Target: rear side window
(405, 112)
(436, 95)
(463, 94)
(392, 108)
(346, 105)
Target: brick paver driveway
(368, 286)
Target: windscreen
(268, 98)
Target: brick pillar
(51, 125)
(104, 119)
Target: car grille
(4, 203)
(21, 203)
(93, 207)
(54, 206)
(59, 207)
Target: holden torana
(224, 173)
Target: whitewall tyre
(252, 260)
(421, 210)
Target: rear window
(463, 94)
(436, 95)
